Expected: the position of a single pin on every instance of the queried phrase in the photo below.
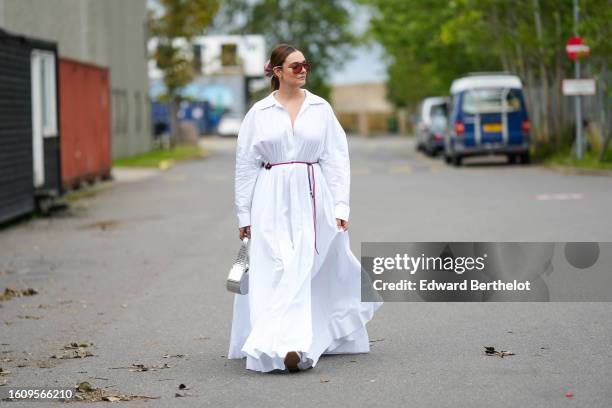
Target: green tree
(417, 35)
(173, 21)
(431, 42)
(319, 28)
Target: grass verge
(589, 161)
(161, 158)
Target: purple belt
(311, 184)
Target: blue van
(487, 116)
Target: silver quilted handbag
(238, 278)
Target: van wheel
(447, 159)
(512, 158)
(525, 158)
(457, 160)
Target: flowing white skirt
(298, 300)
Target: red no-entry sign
(576, 49)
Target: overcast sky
(368, 64)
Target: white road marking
(400, 169)
(559, 196)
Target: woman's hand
(342, 224)
(245, 232)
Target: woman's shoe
(291, 361)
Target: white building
(231, 62)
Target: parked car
(431, 124)
(487, 115)
(229, 125)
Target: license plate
(492, 127)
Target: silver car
(229, 125)
(430, 125)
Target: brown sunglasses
(296, 67)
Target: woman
(292, 200)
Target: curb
(131, 174)
(579, 170)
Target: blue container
(199, 112)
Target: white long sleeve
(336, 166)
(247, 168)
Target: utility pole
(578, 101)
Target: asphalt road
(139, 267)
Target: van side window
(491, 100)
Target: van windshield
(491, 100)
(438, 110)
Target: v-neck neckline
(299, 110)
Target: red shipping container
(84, 122)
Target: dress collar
(270, 100)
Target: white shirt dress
(304, 281)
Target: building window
(197, 58)
(138, 111)
(120, 110)
(43, 74)
(229, 55)
(115, 101)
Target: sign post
(573, 87)
(575, 50)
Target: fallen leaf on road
(79, 352)
(87, 393)
(173, 355)
(182, 387)
(490, 351)
(103, 224)
(202, 338)
(10, 293)
(142, 367)
(84, 387)
(139, 367)
(29, 317)
(44, 364)
(75, 345)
